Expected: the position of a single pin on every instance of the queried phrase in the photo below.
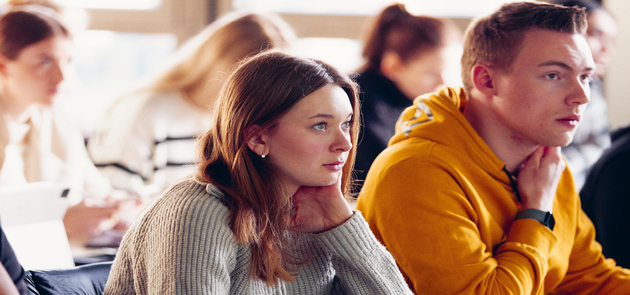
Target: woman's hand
(318, 209)
(538, 178)
(82, 219)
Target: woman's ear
(482, 77)
(390, 65)
(3, 64)
(255, 140)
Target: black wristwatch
(546, 218)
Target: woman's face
(422, 74)
(35, 76)
(309, 145)
(600, 35)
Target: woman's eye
(346, 125)
(586, 78)
(320, 126)
(46, 62)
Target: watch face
(550, 222)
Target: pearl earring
(263, 155)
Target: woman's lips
(335, 166)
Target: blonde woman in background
(147, 140)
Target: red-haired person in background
(405, 57)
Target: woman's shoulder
(185, 211)
(193, 196)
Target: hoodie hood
(438, 117)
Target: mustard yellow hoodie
(440, 201)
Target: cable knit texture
(183, 245)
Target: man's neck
(497, 136)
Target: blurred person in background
(605, 198)
(592, 136)
(406, 56)
(36, 144)
(147, 139)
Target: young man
(444, 197)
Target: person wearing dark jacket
(606, 198)
(405, 57)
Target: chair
(87, 279)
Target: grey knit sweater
(183, 245)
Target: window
(113, 4)
(451, 8)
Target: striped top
(183, 245)
(147, 142)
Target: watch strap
(544, 217)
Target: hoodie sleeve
(589, 271)
(443, 239)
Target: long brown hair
(260, 92)
(397, 30)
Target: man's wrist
(544, 217)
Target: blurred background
(122, 42)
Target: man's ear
(483, 79)
(390, 65)
(256, 143)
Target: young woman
(406, 56)
(35, 143)
(265, 212)
(147, 140)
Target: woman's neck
(16, 109)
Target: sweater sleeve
(443, 244)
(362, 265)
(184, 247)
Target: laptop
(31, 216)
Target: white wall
(618, 77)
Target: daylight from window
(451, 8)
(113, 4)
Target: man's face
(540, 100)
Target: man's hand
(538, 178)
(318, 209)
